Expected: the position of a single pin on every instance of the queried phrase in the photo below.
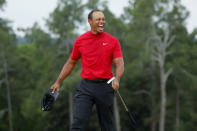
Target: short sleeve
(117, 50)
(75, 55)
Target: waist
(99, 80)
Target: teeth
(101, 25)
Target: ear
(90, 21)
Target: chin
(100, 31)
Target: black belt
(100, 80)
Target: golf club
(132, 116)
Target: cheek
(95, 25)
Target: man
(97, 51)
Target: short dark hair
(90, 14)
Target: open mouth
(101, 27)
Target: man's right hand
(55, 87)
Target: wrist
(57, 82)
(117, 78)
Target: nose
(102, 21)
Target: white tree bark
(159, 54)
(116, 115)
(153, 125)
(8, 91)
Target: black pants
(89, 93)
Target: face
(97, 22)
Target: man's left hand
(115, 84)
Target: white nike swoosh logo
(105, 43)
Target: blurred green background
(159, 82)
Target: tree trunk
(70, 95)
(159, 54)
(177, 109)
(116, 115)
(153, 124)
(8, 92)
(163, 101)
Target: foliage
(35, 65)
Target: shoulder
(109, 36)
(80, 38)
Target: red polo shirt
(97, 53)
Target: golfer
(97, 51)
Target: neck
(95, 33)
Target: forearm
(66, 70)
(119, 68)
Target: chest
(97, 47)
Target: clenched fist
(115, 84)
(55, 87)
